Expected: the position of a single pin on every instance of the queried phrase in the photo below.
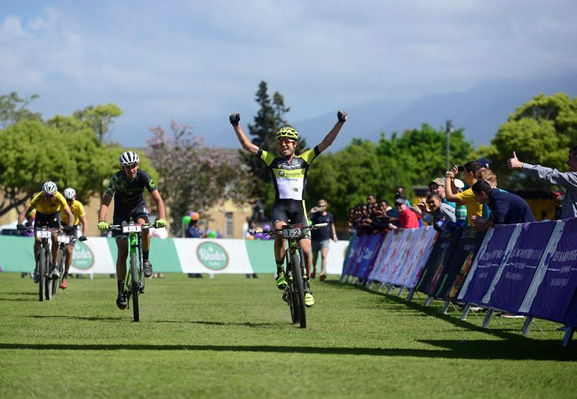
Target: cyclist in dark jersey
(289, 174)
(127, 188)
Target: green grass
(231, 337)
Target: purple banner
(351, 256)
(557, 288)
(369, 255)
(356, 260)
(383, 257)
(514, 277)
(486, 264)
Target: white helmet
(70, 194)
(49, 187)
(128, 158)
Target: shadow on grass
(89, 318)
(483, 350)
(220, 323)
(505, 331)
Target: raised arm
(246, 144)
(332, 135)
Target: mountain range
(479, 111)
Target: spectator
(382, 217)
(474, 208)
(407, 218)
(506, 208)
(567, 180)
(371, 199)
(320, 238)
(193, 231)
(440, 214)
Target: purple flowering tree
(193, 176)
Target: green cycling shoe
(281, 281)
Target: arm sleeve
(567, 180)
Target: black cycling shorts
(51, 221)
(140, 212)
(289, 211)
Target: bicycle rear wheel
(50, 282)
(299, 288)
(41, 270)
(134, 287)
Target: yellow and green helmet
(287, 133)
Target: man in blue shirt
(506, 208)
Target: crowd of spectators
(477, 201)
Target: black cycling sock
(279, 266)
(120, 286)
(145, 255)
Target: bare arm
(335, 238)
(23, 214)
(104, 208)
(449, 179)
(246, 144)
(83, 224)
(70, 216)
(159, 204)
(332, 135)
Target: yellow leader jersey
(48, 206)
(77, 210)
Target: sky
(196, 62)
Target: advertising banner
(369, 255)
(355, 250)
(556, 278)
(513, 278)
(419, 246)
(436, 263)
(495, 250)
(397, 257)
(459, 263)
(382, 260)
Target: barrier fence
(526, 269)
(97, 255)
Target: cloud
(196, 61)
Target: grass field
(231, 337)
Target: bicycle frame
(135, 281)
(44, 263)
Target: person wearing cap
(567, 180)
(193, 231)
(407, 219)
(474, 209)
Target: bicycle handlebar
(288, 231)
(129, 228)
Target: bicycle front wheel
(60, 268)
(134, 287)
(299, 288)
(41, 270)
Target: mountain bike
(44, 264)
(63, 241)
(134, 282)
(295, 270)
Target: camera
(460, 168)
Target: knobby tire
(298, 282)
(41, 270)
(134, 287)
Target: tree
(193, 176)
(413, 159)
(540, 132)
(269, 119)
(30, 154)
(98, 119)
(13, 109)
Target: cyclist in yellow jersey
(289, 174)
(79, 222)
(47, 203)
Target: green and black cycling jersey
(129, 194)
(290, 178)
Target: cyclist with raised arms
(79, 221)
(127, 188)
(48, 204)
(289, 174)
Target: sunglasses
(283, 141)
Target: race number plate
(64, 239)
(132, 229)
(290, 233)
(43, 233)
